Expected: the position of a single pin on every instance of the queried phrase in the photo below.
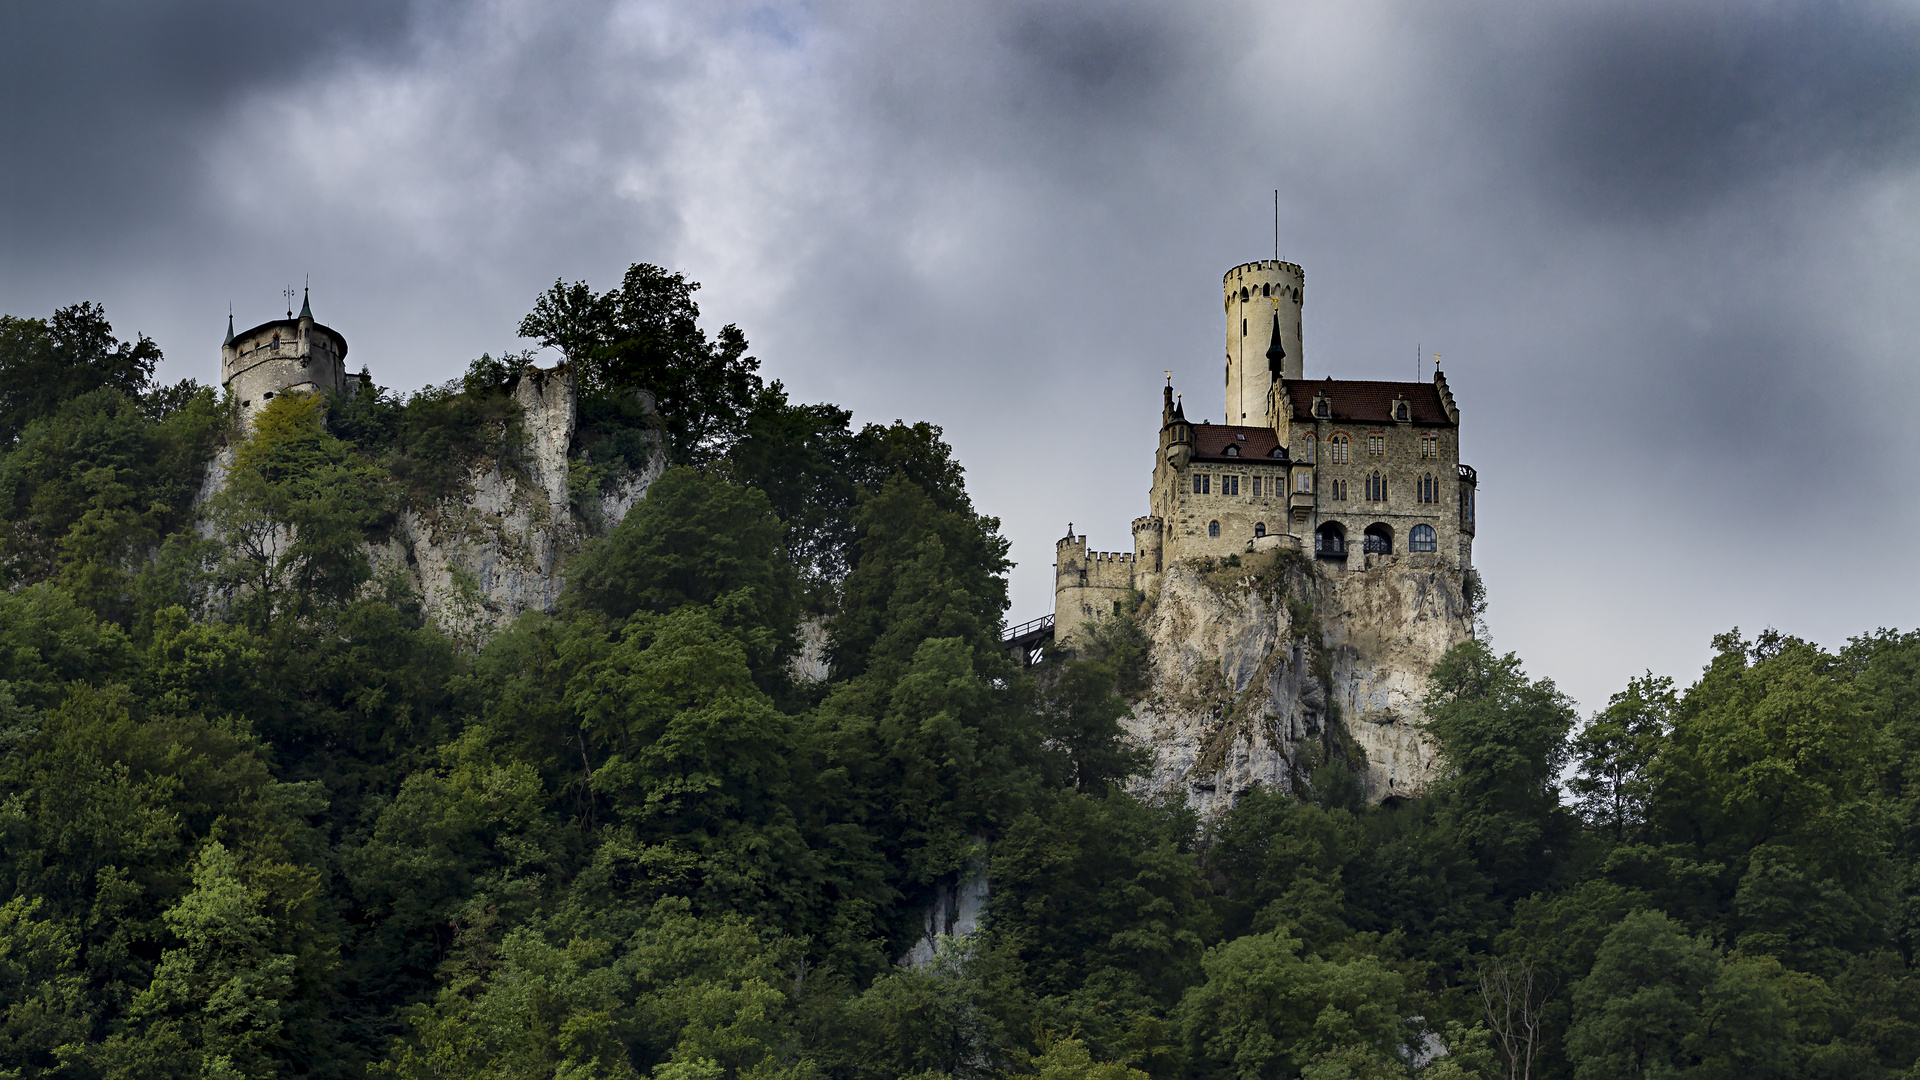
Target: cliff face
(1261, 671)
(481, 560)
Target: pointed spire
(1276, 352)
(229, 340)
(306, 305)
(1179, 411)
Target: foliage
(259, 817)
(45, 362)
(644, 335)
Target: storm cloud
(1666, 252)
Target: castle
(291, 354)
(1361, 473)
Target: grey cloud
(108, 103)
(1647, 240)
(1652, 110)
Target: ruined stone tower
(291, 354)
(1341, 510)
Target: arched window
(1306, 450)
(1330, 541)
(1213, 528)
(1337, 449)
(1259, 528)
(1378, 539)
(1422, 538)
(1376, 486)
(1243, 296)
(1266, 290)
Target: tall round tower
(1263, 335)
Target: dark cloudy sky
(1668, 251)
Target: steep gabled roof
(1210, 442)
(1362, 401)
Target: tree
(1502, 738)
(43, 362)
(295, 513)
(645, 335)
(1268, 1009)
(695, 540)
(1616, 753)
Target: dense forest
(259, 818)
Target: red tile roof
(1366, 402)
(1210, 442)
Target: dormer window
(1233, 451)
(1402, 411)
(1322, 408)
(1281, 452)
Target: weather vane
(288, 293)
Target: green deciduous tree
(44, 362)
(644, 334)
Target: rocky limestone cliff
(481, 560)
(498, 549)
(1262, 670)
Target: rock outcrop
(481, 560)
(1264, 669)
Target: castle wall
(1402, 462)
(1189, 515)
(1089, 584)
(283, 356)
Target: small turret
(1176, 434)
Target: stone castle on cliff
(1344, 509)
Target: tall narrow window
(1306, 450)
(1337, 449)
(1256, 485)
(1376, 445)
(1303, 483)
(1202, 483)
(1376, 487)
(1429, 446)
(1229, 485)
(1213, 528)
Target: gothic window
(1378, 539)
(1400, 410)
(1306, 450)
(1229, 485)
(1376, 487)
(1213, 528)
(1428, 489)
(1266, 290)
(1337, 490)
(1337, 449)
(1423, 539)
(1376, 444)
(1259, 529)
